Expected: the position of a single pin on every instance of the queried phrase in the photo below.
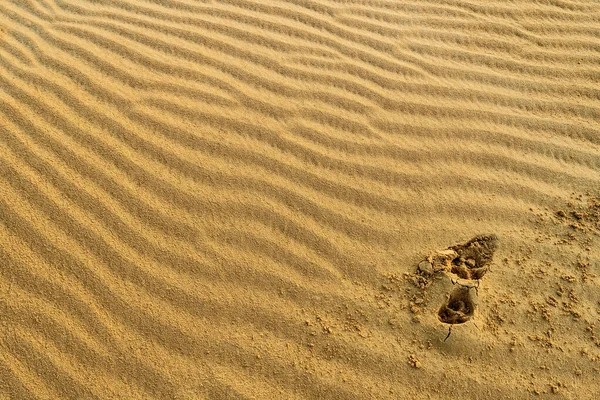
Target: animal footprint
(469, 261)
(474, 257)
(458, 308)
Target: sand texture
(273, 199)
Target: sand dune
(229, 198)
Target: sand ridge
(230, 198)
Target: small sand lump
(414, 362)
(425, 268)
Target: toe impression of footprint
(468, 262)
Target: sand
(229, 199)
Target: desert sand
(230, 199)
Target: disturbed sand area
(235, 199)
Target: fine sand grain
(229, 199)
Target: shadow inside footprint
(459, 306)
(474, 257)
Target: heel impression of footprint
(466, 264)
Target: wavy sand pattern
(228, 199)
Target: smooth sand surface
(229, 199)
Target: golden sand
(229, 199)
